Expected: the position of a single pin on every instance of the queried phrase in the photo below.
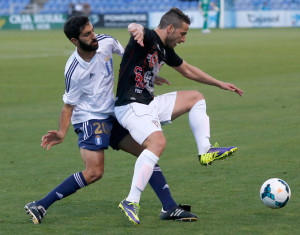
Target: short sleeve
(72, 93)
(172, 59)
(118, 48)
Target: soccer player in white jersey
(89, 105)
(139, 111)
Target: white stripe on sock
(79, 180)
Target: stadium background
(51, 14)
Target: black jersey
(140, 66)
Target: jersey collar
(83, 63)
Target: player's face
(87, 39)
(177, 36)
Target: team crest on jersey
(109, 65)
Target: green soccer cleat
(216, 153)
(131, 210)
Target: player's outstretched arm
(56, 137)
(198, 75)
(137, 32)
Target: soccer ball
(275, 193)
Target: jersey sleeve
(148, 37)
(117, 48)
(72, 91)
(172, 59)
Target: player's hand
(52, 138)
(231, 87)
(160, 81)
(137, 32)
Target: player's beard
(88, 47)
(170, 43)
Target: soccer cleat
(179, 213)
(36, 211)
(216, 153)
(131, 210)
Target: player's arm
(56, 137)
(137, 32)
(196, 74)
(160, 81)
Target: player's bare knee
(160, 145)
(157, 146)
(94, 175)
(195, 96)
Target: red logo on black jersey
(153, 60)
(139, 77)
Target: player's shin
(161, 188)
(142, 172)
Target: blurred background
(50, 14)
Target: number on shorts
(100, 127)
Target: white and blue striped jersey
(89, 85)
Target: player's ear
(170, 28)
(74, 41)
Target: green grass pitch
(263, 124)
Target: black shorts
(117, 134)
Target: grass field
(264, 124)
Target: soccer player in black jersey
(140, 112)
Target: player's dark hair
(75, 25)
(175, 17)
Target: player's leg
(92, 153)
(194, 103)
(144, 166)
(143, 124)
(94, 165)
(205, 9)
(120, 139)
(157, 180)
(94, 162)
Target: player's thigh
(129, 145)
(93, 160)
(185, 100)
(93, 139)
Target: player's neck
(86, 55)
(162, 34)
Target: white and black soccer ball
(275, 193)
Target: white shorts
(142, 120)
